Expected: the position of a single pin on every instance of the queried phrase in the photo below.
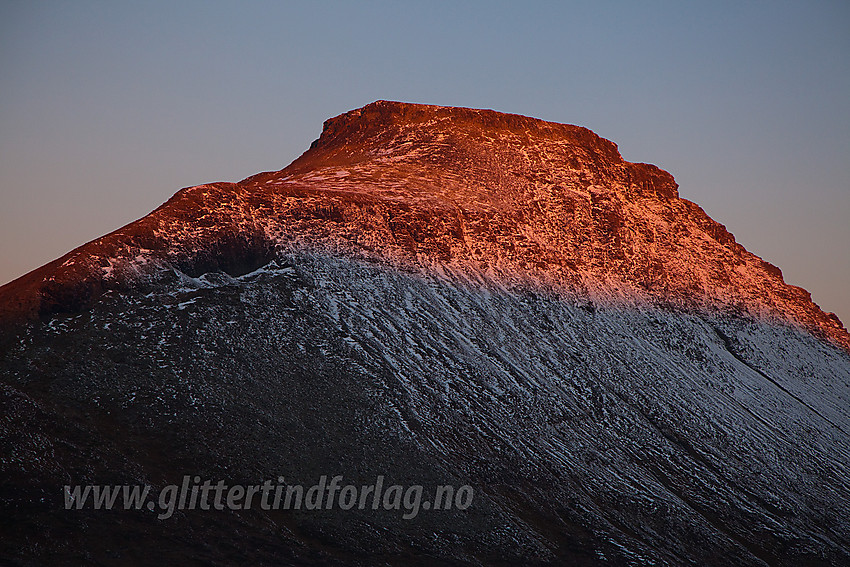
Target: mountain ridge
(521, 200)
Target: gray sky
(107, 108)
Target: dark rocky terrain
(439, 296)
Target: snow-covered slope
(591, 434)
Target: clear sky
(107, 108)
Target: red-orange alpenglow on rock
(474, 193)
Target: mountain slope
(437, 296)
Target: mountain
(435, 296)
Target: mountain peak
(496, 145)
(443, 190)
(386, 115)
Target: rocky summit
(431, 296)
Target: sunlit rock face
(438, 296)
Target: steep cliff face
(474, 192)
(433, 296)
